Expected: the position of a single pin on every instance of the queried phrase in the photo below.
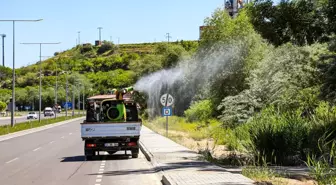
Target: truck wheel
(135, 153)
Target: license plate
(111, 144)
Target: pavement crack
(75, 170)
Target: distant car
(48, 111)
(32, 115)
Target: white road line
(36, 149)
(101, 170)
(97, 184)
(62, 137)
(51, 142)
(70, 133)
(98, 180)
(103, 161)
(99, 176)
(12, 160)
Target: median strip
(7, 129)
(40, 128)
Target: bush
(277, 137)
(86, 48)
(199, 111)
(107, 46)
(2, 106)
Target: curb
(166, 180)
(33, 130)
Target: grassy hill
(92, 68)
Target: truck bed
(106, 130)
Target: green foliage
(86, 48)
(146, 65)
(106, 46)
(3, 106)
(220, 27)
(299, 22)
(286, 70)
(199, 111)
(279, 137)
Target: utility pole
(79, 91)
(99, 28)
(73, 100)
(168, 36)
(83, 99)
(79, 37)
(40, 93)
(66, 94)
(3, 49)
(13, 78)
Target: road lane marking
(51, 142)
(98, 180)
(62, 137)
(36, 149)
(99, 176)
(101, 170)
(70, 133)
(12, 160)
(97, 184)
(103, 161)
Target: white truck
(112, 124)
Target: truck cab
(112, 124)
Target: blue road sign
(68, 105)
(167, 111)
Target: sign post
(167, 101)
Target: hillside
(95, 67)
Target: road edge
(166, 180)
(34, 130)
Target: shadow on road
(81, 158)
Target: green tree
(299, 22)
(3, 106)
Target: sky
(131, 21)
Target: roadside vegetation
(276, 106)
(7, 129)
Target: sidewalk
(181, 166)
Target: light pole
(40, 43)
(13, 83)
(99, 28)
(3, 49)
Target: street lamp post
(13, 83)
(3, 49)
(99, 28)
(79, 38)
(40, 43)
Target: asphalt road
(7, 120)
(55, 157)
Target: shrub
(199, 111)
(2, 106)
(86, 48)
(107, 46)
(279, 137)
